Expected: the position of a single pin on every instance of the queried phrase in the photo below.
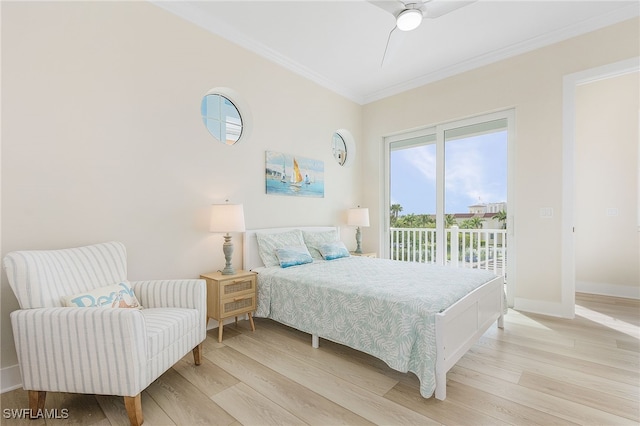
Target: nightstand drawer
(233, 288)
(238, 305)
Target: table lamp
(227, 218)
(358, 217)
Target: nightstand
(370, 254)
(229, 296)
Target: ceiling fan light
(409, 19)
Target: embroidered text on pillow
(114, 296)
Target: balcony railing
(466, 248)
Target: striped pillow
(112, 296)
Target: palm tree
(502, 217)
(395, 210)
(426, 221)
(449, 220)
(473, 223)
(409, 221)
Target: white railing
(466, 248)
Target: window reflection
(339, 149)
(222, 118)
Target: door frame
(570, 83)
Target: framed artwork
(293, 175)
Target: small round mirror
(339, 148)
(222, 118)
(343, 147)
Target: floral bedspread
(382, 307)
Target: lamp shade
(358, 217)
(227, 218)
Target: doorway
(607, 212)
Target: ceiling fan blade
(435, 8)
(392, 6)
(429, 9)
(393, 44)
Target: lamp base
(227, 249)
(228, 271)
(358, 241)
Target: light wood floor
(538, 370)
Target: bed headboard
(251, 257)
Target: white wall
(607, 244)
(532, 84)
(102, 138)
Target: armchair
(105, 351)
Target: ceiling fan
(409, 15)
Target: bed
(377, 306)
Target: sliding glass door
(448, 193)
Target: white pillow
(269, 243)
(111, 296)
(314, 240)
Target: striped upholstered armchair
(64, 345)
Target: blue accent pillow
(334, 250)
(293, 255)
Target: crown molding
(218, 27)
(195, 15)
(584, 27)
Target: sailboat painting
(294, 175)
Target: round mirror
(222, 118)
(339, 149)
(343, 147)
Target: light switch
(612, 211)
(546, 212)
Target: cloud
(423, 160)
(475, 170)
(471, 172)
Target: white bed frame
(458, 328)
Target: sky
(475, 172)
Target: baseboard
(606, 289)
(10, 378)
(553, 309)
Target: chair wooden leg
(196, 355)
(133, 404)
(36, 401)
